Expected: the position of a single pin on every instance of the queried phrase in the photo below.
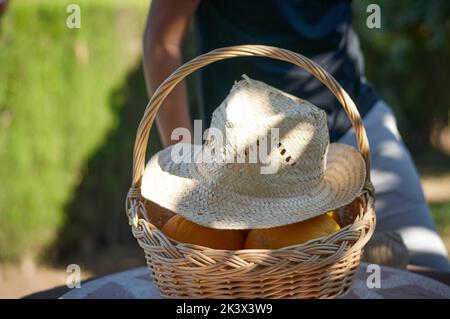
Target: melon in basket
(185, 231)
(298, 233)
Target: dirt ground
(17, 281)
(437, 189)
(20, 280)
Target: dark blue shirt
(319, 29)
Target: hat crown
(266, 126)
(233, 195)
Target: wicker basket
(321, 268)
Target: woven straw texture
(321, 268)
(310, 176)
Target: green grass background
(60, 98)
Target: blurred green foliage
(408, 60)
(58, 103)
(441, 215)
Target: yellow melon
(282, 236)
(185, 231)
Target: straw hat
(311, 176)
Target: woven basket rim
(363, 215)
(177, 243)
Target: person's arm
(166, 25)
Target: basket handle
(140, 145)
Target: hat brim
(180, 188)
